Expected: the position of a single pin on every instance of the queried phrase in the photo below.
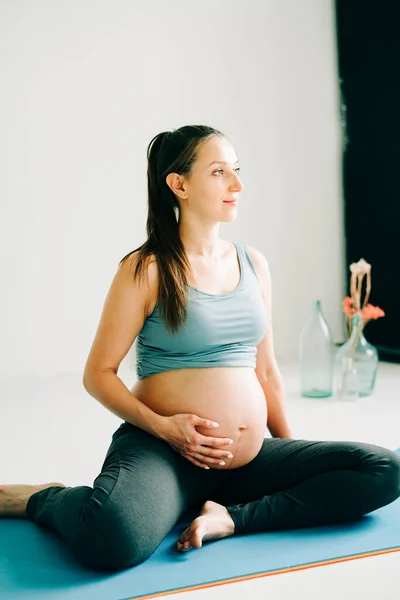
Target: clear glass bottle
(316, 354)
(356, 364)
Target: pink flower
(371, 312)
(348, 307)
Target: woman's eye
(221, 170)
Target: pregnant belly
(231, 396)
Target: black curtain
(368, 38)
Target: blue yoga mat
(34, 563)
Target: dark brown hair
(169, 152)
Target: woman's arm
(111, 392)
(267, 369)
(274, 391)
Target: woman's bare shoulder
(150, 276)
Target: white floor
(52, 430)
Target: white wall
(85, 85)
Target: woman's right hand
(181, 434)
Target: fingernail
(206, 467)
(230, 455)
(230, 442)
(222, 462)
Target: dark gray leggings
(145, 486)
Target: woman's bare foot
(14, 497)
(214, 522)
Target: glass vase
(316, 354)
(356, 364)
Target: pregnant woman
(208, 386)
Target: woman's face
(213, 181)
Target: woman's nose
(237, 184)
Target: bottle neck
(356, 320)
(357, 328)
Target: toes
(184, 536)
(186, 544)
(184, 540)
(183, 547)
